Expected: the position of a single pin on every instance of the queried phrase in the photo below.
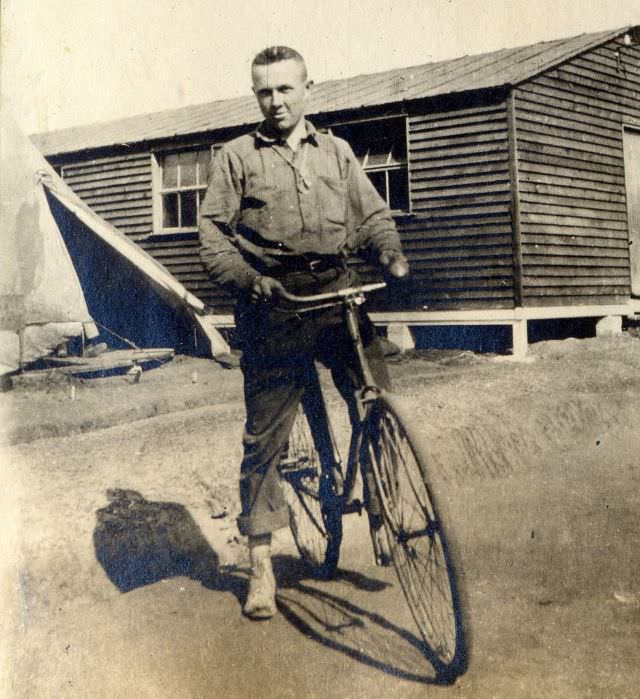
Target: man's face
(281, 89)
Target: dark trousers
(278, 354)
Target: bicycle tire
(415, 535)
(315, 514)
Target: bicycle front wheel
(416, 538)
(315, 513)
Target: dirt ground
(123, 572)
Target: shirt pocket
(332, 202)
(256, 208)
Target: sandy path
(545, 532)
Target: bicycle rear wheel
(416, 538)
(314, 507)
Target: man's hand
(265, 288)
(395, 263)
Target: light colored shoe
(261, 599)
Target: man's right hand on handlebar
(265, 288)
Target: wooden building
(514, 177)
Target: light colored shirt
(266, 202)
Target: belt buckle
(313, 264)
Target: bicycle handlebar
(333, 295)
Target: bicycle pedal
(353, 506)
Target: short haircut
(273, 54)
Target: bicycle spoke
(315, 516)
(415, 537)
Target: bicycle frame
(364, 394)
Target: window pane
(188, 162)
(189, 209)
(379, 182)
(170, 171)
(378, 159)
(399, 189)
(170, 210)
(204, 156)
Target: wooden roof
(484, 71)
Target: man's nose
(276, 99)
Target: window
(381, 147)
(182, 183)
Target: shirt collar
(269, 137)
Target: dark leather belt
(312, 264)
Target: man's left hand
(395, 263)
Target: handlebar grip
(333, 295)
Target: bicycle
(387, 463)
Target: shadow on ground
(139, 542)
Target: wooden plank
(550, 187)
(586, 96)
(122, 206)
(553, 282)
(585, 232)
(456, 200)
(171, 253)
(534, 99)
(497, 183)
(437, 140)
(550, 262)
(538, 251)
(581, 139)
(537, 165)
(109, 159)
(142, 218)
(565, 207)
(438, 118)
(579, 222)
(578, 270)
(486, 224)
(578, 106)
(602, 71)
(571, 82)
(115, 189)
(606, 58)
(425, 239)
(496, 265)
(121, 175)
(117, 182)
(575, 301)
(594, 290)
(477, 252)
(459, 147)
(534, 152)
(427, 173)
(86, 169)
(581, 150)
(475, 159)
(564, 126)
(612, 82)
(133, 198)
(482, 124)
(447, 213)
(574, 205)
(574, 240)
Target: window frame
(403, 131)
(159, 190)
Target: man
(283, 207)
